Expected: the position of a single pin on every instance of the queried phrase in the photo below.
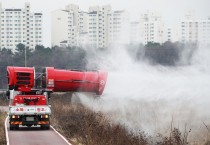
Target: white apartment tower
(20, 26)
(69, 27)
(119, 27)
(65, 26)
(83, 28)
(135, 32)
(61, 26)
(168, 34)
(73, 29)
(98, 26)
(194, 30)
(153, 28)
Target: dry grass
(3, 100)
(2, 131)
(175, 138)
(82, 126)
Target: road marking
(60, 135)
(7, 136)
(6, 131)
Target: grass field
(83, 126)
(2, 132)
(3, 100)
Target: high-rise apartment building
(83, 28)
(168, 34)
(60, 26)
(20, 26)
(73, 22)
(153, 28)
(65, 26)
(69, 27)
(135, 32)
(99, 27)
(194, 30)
(119, 27)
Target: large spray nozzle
(75, 81)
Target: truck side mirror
(8, 94)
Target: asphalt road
(33, 136)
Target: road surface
(33, 135)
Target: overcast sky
(171, 10)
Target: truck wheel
(17, 127)
(45, 127)
(42, 127)
(11, 128)
(14, 127)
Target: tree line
(167, 54)
(70, 57)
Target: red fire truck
(30, 89)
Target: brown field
(86, 127)
(3, 100)
(2, 131)
(83, 126)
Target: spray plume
(151, 98)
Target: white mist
(151, 98)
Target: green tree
(19, 56)
(20, 47)
(6, 59)
(40, 57)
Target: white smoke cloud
(145, 97)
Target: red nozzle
(75, 81)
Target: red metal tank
(76, 81)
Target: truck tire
(45, 127)
(14, 127)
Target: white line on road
(61, 135)
(6, 131)
(7, 136)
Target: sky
(170, 10)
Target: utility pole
(25, 57)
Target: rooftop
(94, 12)
(12, 9)
(37, 13)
